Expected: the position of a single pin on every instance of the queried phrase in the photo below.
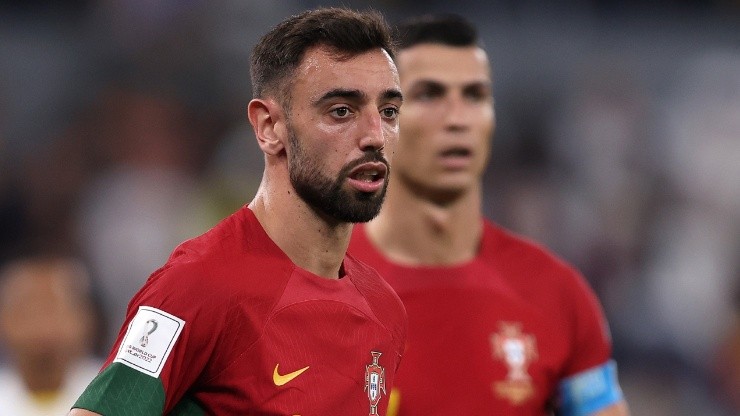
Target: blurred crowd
(123, 132)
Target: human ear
(267, 119)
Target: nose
(457, 113)
(372, 136)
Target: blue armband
(590, 391)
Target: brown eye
(429, 93)
(477, 93)
(341, 112)
(427, 90)
(390, 113)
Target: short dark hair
(445, 29)
(345, 32)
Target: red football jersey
(230, 326)
(495, 335)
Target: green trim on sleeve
(187, 407)
(120, 390)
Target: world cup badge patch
(149, 339)
(374, 382)
(517, 350)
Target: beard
(330, 197)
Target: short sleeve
(591, 336)
(172, 327)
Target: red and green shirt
(229, 325)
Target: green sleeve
(120, 390)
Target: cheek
(484, 156)
(327, 158)
(313, 145)
(329, 141)
(414, 124)
(411, 156)
(485, 129)
(391, 134)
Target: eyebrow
(392, 94)
(357, 95)
(430, 83)
(354, 95)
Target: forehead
(373, 72)
(40, 283)
(443, 63)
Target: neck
(413, 230)
(312, 242)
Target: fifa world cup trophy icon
(151, 326)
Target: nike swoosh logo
(280, 380)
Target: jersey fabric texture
(495, 335)
(230, 326)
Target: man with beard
(497, 324)
(265, 313)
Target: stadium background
(122, 131)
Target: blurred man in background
(497, 324)
(46, 326)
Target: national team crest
(517, 350)
(374, 382)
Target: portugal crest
(517, 350)
(374, 382)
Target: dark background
(123, 131)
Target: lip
(359, 177)
(456, 157)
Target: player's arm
(593, 392)
(82, 412)
(593, 388)
(164, 345)
(135, 378)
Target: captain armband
(590, 391)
